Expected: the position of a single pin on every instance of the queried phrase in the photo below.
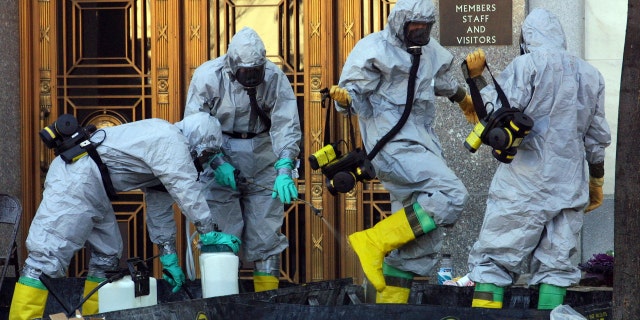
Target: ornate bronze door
(114, 61)
(93, 59)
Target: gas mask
(342, 172)
(503, 130)
(202, 158)
(67, 138)
(417, 33)
(250, 77)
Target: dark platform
(337, 299)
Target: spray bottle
(218, 270)
(445, 272)
(134, 289)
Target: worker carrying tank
(380, 83)
(536, 201)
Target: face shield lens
(203, 156)
(418, 33)
(250, 76)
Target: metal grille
(103, 79)
(103, 68)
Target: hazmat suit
(536, 203)
(425, 193)
(260, 144)
(75, 209)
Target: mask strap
(254, 106)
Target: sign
(475, 23)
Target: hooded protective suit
(249, 144)
(75, 207)
(411, 166)
(536, 203)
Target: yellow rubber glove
(475, 63)
(468, 109)
(340, 95)
(595, 193)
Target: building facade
(111, 62)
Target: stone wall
(474, 169)
(10, 125)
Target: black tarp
(336, 299)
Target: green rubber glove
(216, 237)
(284, 187)
(176, 277)
(225, 175)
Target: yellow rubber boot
(392, 294)
(91, 305)
(29, 299)
(371, 245)
(488, 296)
(264, 282)
(398, 285)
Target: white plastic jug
(218, 273)
(120, 295)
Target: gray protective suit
(249, 213)
(535, 205)
(411, 166)
(75, 208)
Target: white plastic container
(219, 274)
(120, 295)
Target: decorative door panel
(103, 74)
(93, 61)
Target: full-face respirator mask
(250, 77)
(417, 33)
(67, 138)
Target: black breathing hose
(415, 51)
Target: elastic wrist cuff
(596, 170)
(284, 163)
(459, 95)
(285, 171)
(480, 82)
(205, 225)
(167, 247)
